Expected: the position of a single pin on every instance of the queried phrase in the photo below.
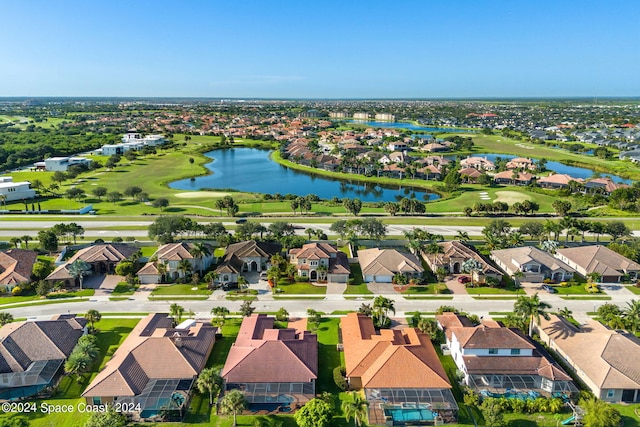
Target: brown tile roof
(605, 356)
(448, 321)
(251, 248)
(149, 268)
(388, 262)
(481, 337)
(107, 252)
(518, 256)
(558, 179)
(263, 354)
(514, 365)
(16, 266)
(600, 259)
(457, 249)
(22, 343)
(154, 350)
(470, 172)
(393, 359)
(174, 251)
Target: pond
(557, 167)
(252, 170)
(410, 126)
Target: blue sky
(322, 49)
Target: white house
(61, 164)
(11, 191)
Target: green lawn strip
(464, 417)
(148, 251)
(494, 291)
(628, 414)
(118, 298)
(292, 297)
(52, 296)
(425, 297)
(358, 287)
(123, 288)
(177, 298)
(241, 297)
(634, 289)
(354, 298)
(122, 314)
(48, 302)
(496, 298)
(299, 288)
(432, 289)
(185, 290)
(594, 297)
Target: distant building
(339, 115)
(61, 164)
(385, 117)
(12, 191)
(361, 116)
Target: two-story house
(244, 257)
(499, 361)
(321, 261)
(534, 264)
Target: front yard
(181, 290)
(299, 288)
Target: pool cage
(437, 400)
(160, 396)
(513, 384)
(285, 393)
(31, 381)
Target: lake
(557, 167)
(252, 170)
(410, 126)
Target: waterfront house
(11, 191)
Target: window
(314, 262)
(610, 393)
(493, 351)
(515, 351)
(97, 401)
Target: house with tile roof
(273, 366)
(605, 360)
(395, 368)
(171, 256)
(521, 163)
(611, 266)
(557, 181)
(16, 266)
(470, 174)
(246, 256)
(602, 185)
(536, 265)
(321, 261)
(512, 177)
(454, 254)
(155, 367)
(496, 360)
(32, 354)
(480, 163)
(102, 258)
(380, 265)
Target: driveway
(104, 284)
(454, 286)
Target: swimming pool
(410, 412)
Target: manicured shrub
(339, 373)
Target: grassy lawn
(184, 290)
(629, 417)
(358, 287)
(112, 334)
(52, 296)
(430, 289)
(634, 289)
(148, 251)
(300, 288)
(577, 289)
(592, 297)
(123, 288)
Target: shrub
(301, 278)
(339, 373)
(17, 290)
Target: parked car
(263, 275)
(464, 279)
(229, 286)
(241, 220)
(549, 289)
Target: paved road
(298, 307)
(105, 228)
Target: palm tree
(162, 270)
(5, 318)
(220, 314)
(381, 307)
(356, 408)
(463, 236)
(92, 317)
(565, 312)
(596, 228)
(531, 308)
(322, 272)
(76, 364)
(26, 240)
(209, 381)
(78, 269)
(632, 315)
(176, 311)
(471, 266)
(211, 277)
(234, 402)
(200, 250)
(517, 276)
(15, 241)
(550, 246)
(553, 227)
(184, 267)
